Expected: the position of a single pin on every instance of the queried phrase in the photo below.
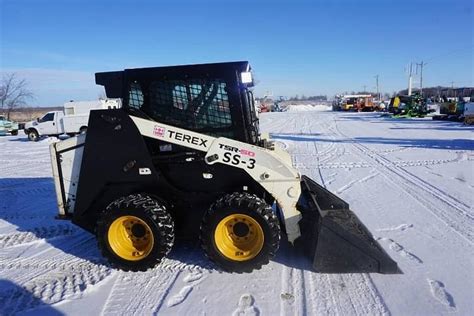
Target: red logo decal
(159, 131)
(247, 153)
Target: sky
(294, 47)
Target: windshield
(351, 101)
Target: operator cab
(213, 99)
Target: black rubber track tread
(148, 209)
(258, 209)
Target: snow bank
(307, 107)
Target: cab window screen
(196, 104)
(135, 95)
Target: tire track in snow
(23, 269)
(131, 291)
(322, 297)
(50, 288)
(454, 213)
(351, 183)
(49, 276)
(327, 293)
(359, 164)
(293, 292)
(333, 294)
(36, 234)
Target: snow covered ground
(410, 181)
(307, 107)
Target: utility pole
(410, 73)
(421, 75)
(452, 88)
(365, 86)
(377, 84)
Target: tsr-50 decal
(238, 156)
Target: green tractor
(408, 106)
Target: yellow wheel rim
(239, 237)
(130, 238)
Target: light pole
(377, 84)
(410, 72)
(421, 75)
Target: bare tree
(14, 92)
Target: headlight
(246, 77)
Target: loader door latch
(144, 171)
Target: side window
(48, 117)
(69, 111)
(135, 95)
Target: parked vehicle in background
(354, 102)
(452, 110)
(432, 106)
(71, 121)
(469, 113)
(408, 105)
(7, 126)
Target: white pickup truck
(73, 120)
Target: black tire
(158, 222)
(14, 133)
(236, 204)
(33, 135)
(83, 130)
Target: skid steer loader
(185, 153)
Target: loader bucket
(334, 238)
